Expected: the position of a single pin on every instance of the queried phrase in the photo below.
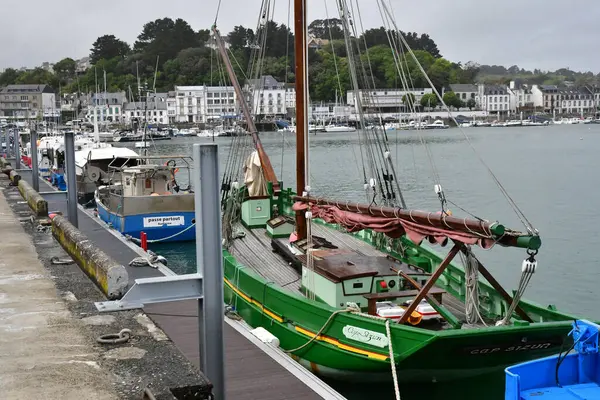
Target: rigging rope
(316, 335)
(392, 361)
(511, 202)
(527, 270)
(471, 266)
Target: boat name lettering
(365, 336)
(155, 222)
(523, 347)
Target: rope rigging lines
(388, 17)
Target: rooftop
(463, 87)
(266, 82)
(27, 89)
(495, 89)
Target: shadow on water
(488, 387)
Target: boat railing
(150, 163)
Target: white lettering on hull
(160, 221)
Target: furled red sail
(393, 227)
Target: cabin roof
(340, 265)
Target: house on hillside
(268, 97)
(28, 102)
(317, 43)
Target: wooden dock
(251, 372)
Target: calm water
(549, 171)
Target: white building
(520, 98)
(220, 102)
(110, 106)
(496, 100)
(197, 104)
(267, 96)
(171, 106)
(385, 100)
(28, 102)
(575, 101)
(153, 110)
(467, 91)
(188, 103)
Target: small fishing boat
(563, 376)
(91, 166)
(148, 198)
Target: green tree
(429, 100)
(325, 83)
(164, 38)
(107, 47)
(203, 36)
(321, 28)
(452, 100)
(65, 70)
(409, 100)
(440, 73)
(9, 77)
(240, 37)
(471, 103)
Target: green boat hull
(420, 354)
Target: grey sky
(545, 34)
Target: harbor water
(550, 172)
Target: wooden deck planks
(249, 372)
(255, 251)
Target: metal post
(17, 149)
(209, 260)
(71, 178)
(35, 177)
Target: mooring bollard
(35, 178)
(144, 240)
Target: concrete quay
(252, 369)
(49, 326)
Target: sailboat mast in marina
(356, 291)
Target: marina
(124, 254)
(318, 209)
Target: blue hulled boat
(147, 198)
(563, 377)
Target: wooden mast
(301, 128)
(267, 168)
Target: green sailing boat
(355, 291)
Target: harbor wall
(35, 200)
(110, 276)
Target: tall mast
(267, 168)
(301, 101)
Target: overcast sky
(545, 34)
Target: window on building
(230, 94)
(223, 94)
(209, 95)
(495, 106)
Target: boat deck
(255, 250)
